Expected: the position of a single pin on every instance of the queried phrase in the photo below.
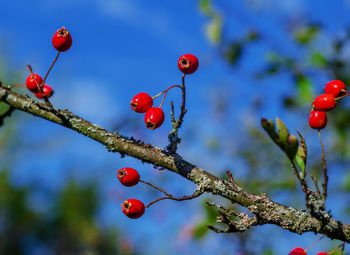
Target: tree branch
(266, 210)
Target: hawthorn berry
(188, 63)
(128, 176)
(154, 118)
(317, 119)
(298, 251)
(133, 208)
(335, 87)
(32, 81)
(62, 40)
(141, 102)
(324, 102)
(48, 91)
(322, 253)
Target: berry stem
(342, 246)
(48, 71)
(161, 103)
(347, 94)
(165, 91)
(40, 87)
(169, 196)
(314, 243)
(324, 166)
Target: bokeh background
(258, 58)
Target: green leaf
(214, 29)
(306, 34)
(288, 143)
(205, 6)
(282, 130)
(268, 252)
(317, 59)
(252, 36)
(301, 156)
(234, 52)
(304, 87)
(346, 185)
(210, 211)
(200, 230)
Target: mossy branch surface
(265, 210)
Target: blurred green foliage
(68, 226)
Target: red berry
(133, 208)
(317, 119)
(62, 40)
(32, 81)
(128, 176)
(334, 87)
(324, 102)
(154, 118)
(322, 253)
(188, 63)
(48, 91)
(141, 102)
(298, 251)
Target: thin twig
(324, 166)
(224, 209)
(173, 134)
(172, 113)
(302, 181)
(230, 177)
(316, 186)
(304, 185)
(169, 196)
(242, 225)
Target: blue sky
(120, 48)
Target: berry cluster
(133, 208)
(61, 41)
(334, 90)
(143, 102)
(154, 118)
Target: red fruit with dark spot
(48, 91)
(154, 118)
(335, 87)
(128, 176)
(32, 81)
(141, 102)
(322, 253)
(317, 119)
(188, 63)
(324, 102)
(298, 251)
(133, 208)
(62, 40)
